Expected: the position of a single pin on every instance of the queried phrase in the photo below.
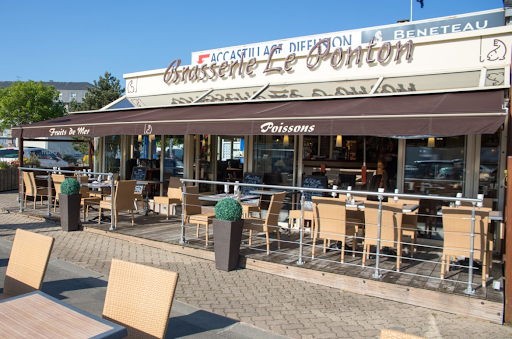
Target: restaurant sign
(260, 51)
(323, 51)
(435, 27)
(57, 132)
(282, 128)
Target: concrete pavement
(250, 300)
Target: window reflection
(113, 153)
(435, 166)
(489, 165)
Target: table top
(97, 185)
(36, 315)
(264, 192)
(359, 204)
(148, 182)
(493, 215)
(41, 176)
(217, 197)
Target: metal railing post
(301, 230)
(48, 214)
(377, 274)
(469, 289)
(112, 194)
(22, 190)
(183, 203)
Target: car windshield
(9, 153)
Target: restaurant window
(488, 182)
(230, 158)
(113, 153)
(273, 156)
(435, 165)
(173, 156)
(343, 167)
(203, 169)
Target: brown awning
(445, 114)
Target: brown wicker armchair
(268, 224)
(391, 234)
(193, 212)
(331, 224)
(139, 297)
(31, 188)
(123, 200)
(27, 263)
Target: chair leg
(168, 210)
(207, 233)
(250, 237)
(197, 231)
(343, 250)
(35, 199)
(398, 255)
(116, 216)
(99, 215)
(132, 217)
(443, 265)
(354, 244)
(278, 239)
(268, 243)
(364, 254)
(328, 244)
(313, 247)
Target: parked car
(47, 158)
(174, 164)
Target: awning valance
(457, 113)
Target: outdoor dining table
(39, 315)
(145, 183)
(218, 197)
(359, 204)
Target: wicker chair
(331, 224)
(123, 200)
(193, 213)
(393, 334)
(409, 221)
(391, 235)
(173, 198)
(27, 263)
(31, 188)
(57, 181)
(457, 227)
(139, 297)
(268, 224)
(87, 199)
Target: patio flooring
(421, 272)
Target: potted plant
(227, 232)
(69, 204)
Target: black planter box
(69, 206)
(227, 237)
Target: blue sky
(79, 41)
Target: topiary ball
(70, 186)
(228, 209)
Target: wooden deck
(417, 282)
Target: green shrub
(70, 186)
(228, 209)
(69, 159)
(4, 165)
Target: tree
(106, 90)
(28, 102)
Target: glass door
(113, 153)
